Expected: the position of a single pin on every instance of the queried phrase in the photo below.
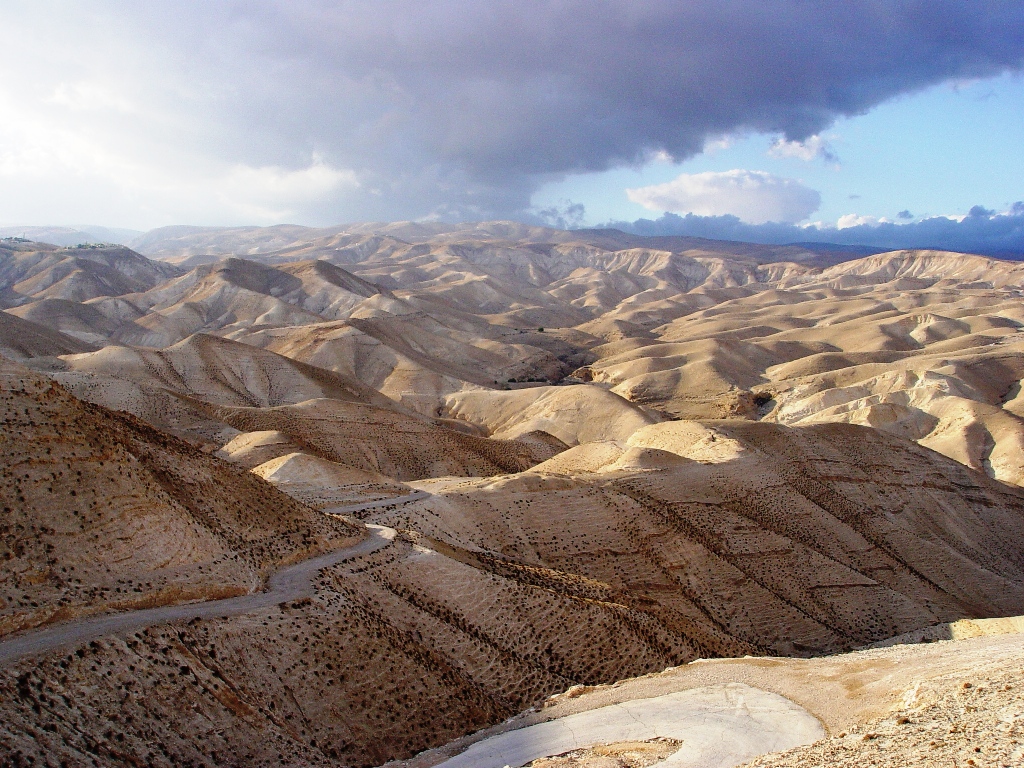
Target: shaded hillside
(560, 535)
(794, 541)
(102, 512)
(31, 271)
(386, 442)
(23, 339)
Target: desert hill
(398, 445)
(692, 333)
(793, 541)
(22, 339)
(511, 588)
(37, 271)
(594, 456)
(437, 635)
(68, 236)
(177, 241)
(82, 320)
(175, 388)
(572, 414)
(102, 512)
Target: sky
(896, 123)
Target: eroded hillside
(595, 456)
(101, 512)
(923, 344)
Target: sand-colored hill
(924, 267)
(219, 371)
(791, 541)
(176, 241)
(22, 339)
(409, 358)
(574, 415)
(558, 535)
(251, 449)
(422, 313)
(101, 512)
(384, 441)
(38, 271)
(410, 349)
(174, 388)
(438, 635)
(80, 320)
(324, 484)
(239, 294)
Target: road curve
(719, 726)
(290, 583)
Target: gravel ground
(951, 722)
(625, 754)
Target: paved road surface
(291, 583)
(719, 726)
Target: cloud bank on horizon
(762, 196)
(140, 114)
(981, 231)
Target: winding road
(719, 726)
(290, 583)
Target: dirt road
(291, 583)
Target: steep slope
(80, 320)
(792, 541)
(410, 357)
(372, 668)
(229, 295)
(219, 371)
(384, 441)
(39, 271)
(173, 388)
(572, 414)
(23, 339)
(101, 512)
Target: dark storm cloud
(981, 231)
(463, 107)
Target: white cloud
(136, 113)
(753, 196)
(86, 95)
(65, 170)
(271, 192)
(855, 220)
(809, 149)
(717, 145)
